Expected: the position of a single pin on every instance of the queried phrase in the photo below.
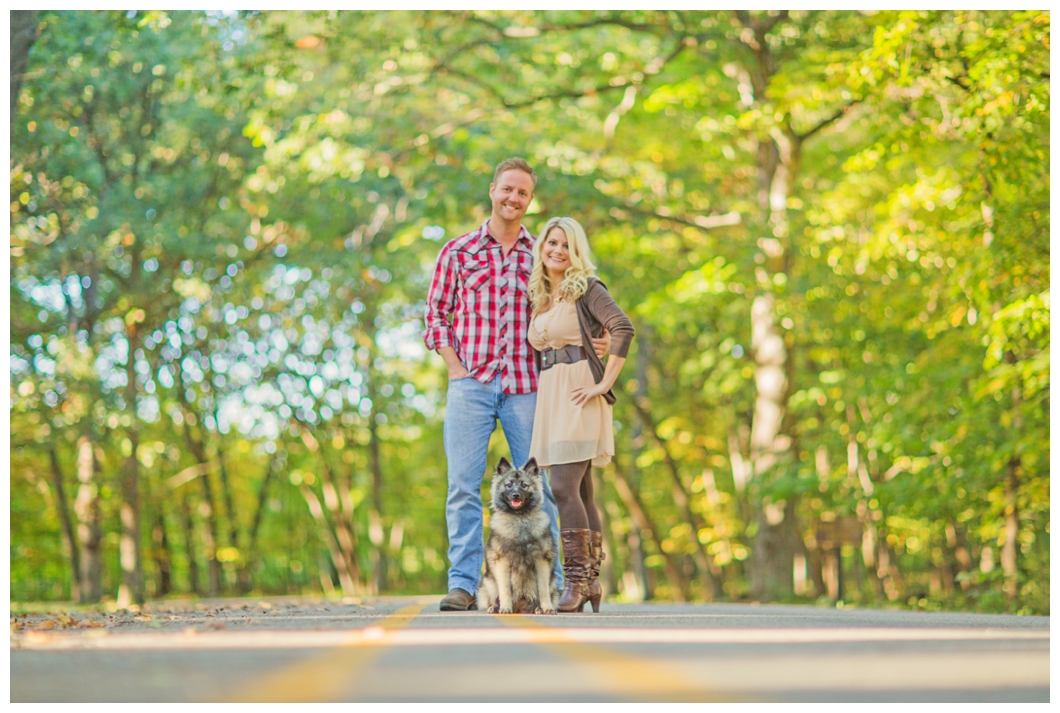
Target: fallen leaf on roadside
(145, 617)
(173, 617)
(47, 624)
(90, 624)
(64, 620)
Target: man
(480, 281)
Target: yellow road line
(324, 678)
(617, 673)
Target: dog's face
(517, 490)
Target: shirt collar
(524, 243)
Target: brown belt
(565, 355)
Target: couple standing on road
(510, 299)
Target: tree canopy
(830, 228)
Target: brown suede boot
(576, 572)
(596, 556)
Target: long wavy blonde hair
(576, 279)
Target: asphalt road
(405, 650)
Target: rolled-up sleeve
(441, 301)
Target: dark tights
(572, 485)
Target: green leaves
(250, 204)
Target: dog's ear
(503, 466)
(531, 467)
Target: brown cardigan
(597, 311)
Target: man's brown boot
(458, 600)
(576, 572)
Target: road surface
(404, 649)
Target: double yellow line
(326, 677)
(605, 670)
(616, 674)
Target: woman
(572, 423)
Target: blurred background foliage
(831, 229)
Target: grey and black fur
(520, 552)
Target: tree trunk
(131, 554)
(252, 536)
(958, 546)
(132, 588)
(858, 476)
(259, 510)
(162, 555)
(376, 532)
(24, 28)
(187, 522)
(344, 536)
(770, 577)
(815, 568)
(89, 529)
(773, 560)
(774, 552)
(233, 523)
(887, 568)
(69, 538)
(208, 506)
(346, 581)
(642, 580)
(1010, 548)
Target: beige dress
(563, 431)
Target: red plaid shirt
(485, 293)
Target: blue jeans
(471, 413)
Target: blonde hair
(576, 279)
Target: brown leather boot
(458, 600)
(576, 572)
(596, 556)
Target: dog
(520, 551)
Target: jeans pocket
(460, 379)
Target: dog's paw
(491, 610)
(549, 610)
(505, 610)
